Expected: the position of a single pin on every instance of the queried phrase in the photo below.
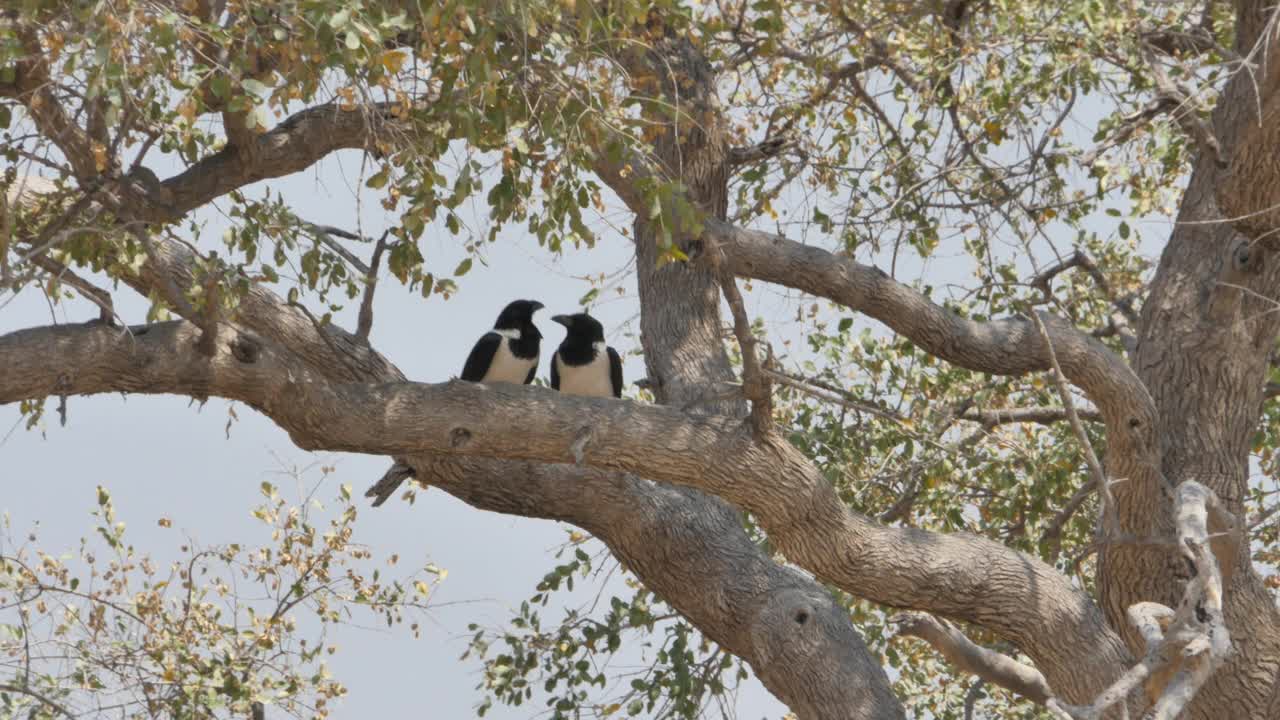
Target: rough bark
(1208, 329)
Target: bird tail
(390, 482)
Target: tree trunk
(1205, 343)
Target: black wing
(481, 357)
(615, 372)
(533, 371)
(555, 372)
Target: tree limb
(365, 322)
(714, 454)
(970, 657)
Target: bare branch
(1081, 259)
(1183, 110)
(33, 87)
(1053, 531)
(827, 393)
(763, 150)
(365, 322)
(755, 384)
(970, 657)
(1110, 518)
(325, 234)
(1037, 415)
(88, 290)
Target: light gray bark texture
(664, 485)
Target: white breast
(591, 379)
(505, 366)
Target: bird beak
(562, 319)
(537, 306)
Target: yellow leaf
(100, 156)
(393, 60)
(612, 709)
(994, 131)
(422, 588)
(187, 109)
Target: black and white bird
(584, 364)
(508, 352)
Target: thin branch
(755, 384)
(44, 699)
(1184, 114)
(1110, 518)
(325, 235)
(365, 321)
(1081, 259)
(88, 290)
(1037, 415)
(991, 666)
(1053, 533)
(827, 393)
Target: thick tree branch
(1184, 647)
(295, 144)
(906, 568)
(998, 347)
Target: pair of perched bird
(583, 364)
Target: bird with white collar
(508, 352)
(584, 364)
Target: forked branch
(1183, 647)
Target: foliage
(108, 630)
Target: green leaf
(255, 87)
(379, 179)
(462, 268)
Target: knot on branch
(459, 437)
(245, 349)
(1246, 257)
(788, 628)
